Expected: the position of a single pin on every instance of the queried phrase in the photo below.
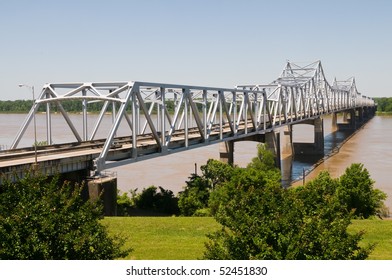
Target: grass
(183, 238)
(377, 232)
(163, 238)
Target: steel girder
(162, 110)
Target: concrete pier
(226, 152)
(104, 188)
(271, 139)
(316, 148)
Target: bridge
(167, 118)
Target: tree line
(384, 104)
(73, 106)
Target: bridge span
(169, 118)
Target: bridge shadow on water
(294, 169)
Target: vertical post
(135, 128)
(35, 129)
(205, 114)
(48, 123)
(84, 109)
(256, 111)
(264, 109)
(114, 114)
(220, 93)
(246, 111)
(163, 123)
(235, 112)
(185, 93)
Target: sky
(195, 42)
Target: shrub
(163, 201)
(45, 219)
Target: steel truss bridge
(167, 118)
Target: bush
(197, 191)
(125, 204)
(163, 201)
(357, 193)
(44, 219)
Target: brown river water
(371, 145)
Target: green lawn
(378, 232)
(182, 238)
(163, 238)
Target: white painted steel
(301, 92)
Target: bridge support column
(226, 152)
(316, 148)
(104, 188)
(319, 135)
(360, 115)
(272, 140)
(334, 122)
(287, 145)
(348, 122)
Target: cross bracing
(172, 116)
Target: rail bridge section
(167, 118)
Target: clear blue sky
(200, 42)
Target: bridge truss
(174, 117)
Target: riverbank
(367, 146)
(301, 180)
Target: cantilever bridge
(167, 118)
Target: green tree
(261, 220)
(43, 219)
(265, 159)
(197, 191)
(162, 201)
(357, 193)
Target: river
(371, 145)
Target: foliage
(43, 219)
(125, 204)
(265, 159)
(16, 106)
(261, 220)
(384, 104)
(196, 194)
(163, 201)
(40, 143)
(23, 106)
(357, 193)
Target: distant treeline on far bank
(23, 106)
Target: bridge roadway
(70, 157)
